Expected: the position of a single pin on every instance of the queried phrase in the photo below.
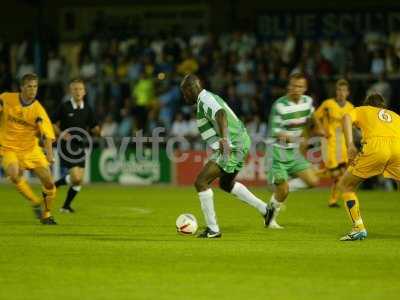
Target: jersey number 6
(384, 116)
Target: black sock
(60, 182)
(70, 196)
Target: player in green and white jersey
(222, 130)
(290, 115)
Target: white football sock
(76, 188)
(277, 205)
(207, 206)
(296, 184)
(68, 179)
(240, 191)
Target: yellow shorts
(378, 156)
(334, 154)
(25, 160)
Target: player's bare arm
(47, 142)
(222, 123)
(348, 135)
(56, 128)
(318, 128)
(96, 130)
(48, 148)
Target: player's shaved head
(191, 88)
(190, 81)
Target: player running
(330, 113)
(221, 129)
(290, 115)
(380, 154)
(72, 120)
(23, 120)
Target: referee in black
(73, 121)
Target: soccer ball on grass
(186, 224)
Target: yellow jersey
(330, 113)
(19, 129)
(376, 122)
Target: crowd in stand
(133, 83)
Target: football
(186, 224)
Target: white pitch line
(139, 210)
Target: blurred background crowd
(133, 82)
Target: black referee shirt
(70, 116)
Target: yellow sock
(334, 193)
(48, 197)
(24, 188)
(352, 207)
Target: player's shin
(72, 192)
(352, 207)
(334, 193)
(207, 206)
(49, 195)
(240, 191)
(24, 188)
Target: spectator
(168, 101)
(134, 69)
(246, 90)
(180, 127)
(245, 65)
(25, 67)
(381, 87)
(377, 64)
(189, 64)
(143, 95)
(288, 48)
(256, 129)
(392, 62)
(250, 73)
(54, 68)
(233, 100)
(88, 70)
(125, 126)
(109, 127)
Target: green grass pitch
(122, 244)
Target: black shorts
(73, 157)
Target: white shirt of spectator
(192, 127)
(109, 129)
(88, 70)
(179, 128)
(54, 67)
(77, 105)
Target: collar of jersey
(300, 101)
(25, 104)
(337, 103)
(201, 94)
(75, 105)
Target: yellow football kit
(334, 151)
(380, 153)
(19, 131)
